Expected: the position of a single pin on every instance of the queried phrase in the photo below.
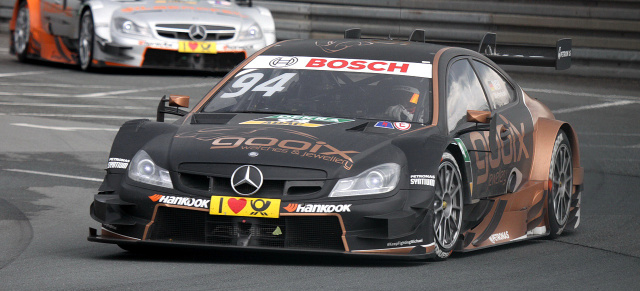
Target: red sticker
(402, 125)
(236, 205)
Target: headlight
(253, 32)
(379, 179)
(144, 170)
(129, 27)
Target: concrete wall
(606, 34)
(6, 8)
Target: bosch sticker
(343, 65)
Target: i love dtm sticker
(249, 207)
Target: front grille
(278, 181)
(174, 59)
(295, 232)
(269, 188)
(181, 31)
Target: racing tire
(22, 32)
(447, 207)
(560, 185)
(86, 41)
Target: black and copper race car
(412, 149)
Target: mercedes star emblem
(246, 180)
(197, 32)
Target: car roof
(369, 49)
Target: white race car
(188, 34)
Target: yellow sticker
(291, 123)
(250, 207)
(414, 98)
(203, 47)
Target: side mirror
(174, 100)
(478, 116)
(179, 101)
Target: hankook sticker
(317, 208)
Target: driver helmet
(406, 95)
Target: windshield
(380, 91)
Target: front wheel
(22, 32)
(560, 185)
(447, 206)
(85, 41)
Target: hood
(171, 11)
(337, 147)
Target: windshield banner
(343, 65)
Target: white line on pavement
(606, 146)
(608, 133)
(64, 128)
(147, 89)
(90, 116)
(594, 106)
(55, 175)
(73, 105)
(23, 73)
(619, 160)
(580, 94)
(58, 85)
(54, 95)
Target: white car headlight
(144, 170)
(379, 179)
(253, 32)
(130, 27)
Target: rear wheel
(447, 206)
(22, 32)
(85, 41)
(561, 185)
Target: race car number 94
(248, 81)
(250, 207)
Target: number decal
(248, 81)
(245, 82)
(269, 87)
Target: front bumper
(397, 225)
(156, 53)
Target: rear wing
(558, 57)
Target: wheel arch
(34, 14)
(545, 133)
(456, 152)
(83, 8)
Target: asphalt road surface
(57, 125)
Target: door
(60, 17)
(464, 92)
(511, 132)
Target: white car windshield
(334, 93)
